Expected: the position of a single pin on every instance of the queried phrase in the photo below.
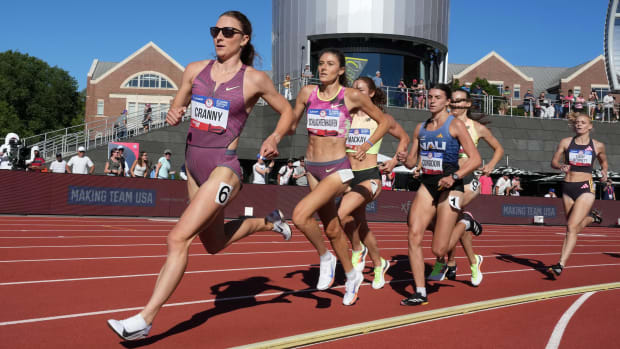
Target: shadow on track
(528, 262)
(229, 296)
(402, 278)
(310, 278)
(615, 255)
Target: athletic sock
(421, 290)
(326, 257)
(351, 274)
(466, 222)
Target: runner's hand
(361, 151)
(445, 182)
(388, 166)
(269, 149)
(175, 114)
(565, 168)
(486, 169)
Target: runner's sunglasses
(228, 32)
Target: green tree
(35, 97)
(486, 86)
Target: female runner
(329, 108)
(579, 153)
(438, 141)
(366, 184)
(222, 94)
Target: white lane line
(262, 295)
(558, 331)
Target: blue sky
(70, 34)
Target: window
(576, 91)
(601, 92)
(149, 80)
(517, 91)
(100, 107)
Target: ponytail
(247, 51)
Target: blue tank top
(438, 149)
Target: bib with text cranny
(580, 157)
(210, 114)
(357, 137)
(432, 162)
(323, 122)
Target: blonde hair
(572, 118)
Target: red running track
(61, 278)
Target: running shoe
(279, 224)
(556, 269)
(474, 226)
(596, 215)
(380, 271)
(130, 329)
(476, 274)
(451, 272)
(415, 299)
(351, 287)
(439, 272)
(358, 258)
(327, 271)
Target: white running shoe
(327, 272)
(380, 271)
(279, 224)
(131, 328)
(476, 274)
(358, 258)
(351, 287)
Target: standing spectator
(402, 93)
(421, 94)
(36, 162)
(162, 171)
(146, 120)
(121, 125)
(285, 173)
(306, 75)
(502, 184)
(515, 188)
(260, 170)
(299, 173)
(477, 90)
(579, 101)
(569, 102)
(183, 172)
(377, 79)
(608, 104)
(113, 166)
(80, 164)
(59, 165)
(505, 104)
(121, 158)
(608, 191)
(413, 96)
(592, 102)
(466, 87)
(387, 179)
(287, 87)
(528, 103)
(559, 106)
(551, 193)
(140, 167)
(486, 184)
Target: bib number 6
(223, 194)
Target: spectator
(569, 103)
(299, 173)
(592, 102)
(80, 164)
(121, 125)
(608, 104)
(387, 179)
(402, 93)
(477, 90)
(36, 162)
(466, 87)
(260, 170)
(506, 100)
(59, 165)
(287, 87)
(559, 106)
(285, 173)
(140, 167)
(146, 120)
(162, 171)
(579, 101)
(413, 96)
(121, 158)
(183, 172)
(608, 191)
(528, 103)
(421, 94)
(5, 163)
(306, 75)
(377, 79)
(515, 188)
(486, 185)
(113, 166)
(502, 184)
(551, 193)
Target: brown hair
(247, 51)
(379, 98)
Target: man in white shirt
(285, 173)
(608, 104)
(59, 165)
(299, 174)
(80, 164)
(260, 171)
(502, 184)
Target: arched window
(149, 80)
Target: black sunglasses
(228, 32)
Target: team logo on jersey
(440, 136)
(589, 148)
(209, 102)
(322, 113)
(585, 186)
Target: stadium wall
(83, 195)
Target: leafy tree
(486, 86)
(34, 97)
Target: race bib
(432, 162)
(323, 122)
(357, 137)
(580, 157)
(210, 114)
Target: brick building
(498, 71)
(149, 75)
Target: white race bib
(210, 114)
(357, 137)
(432, 162)
(323, 122)
(580, 157)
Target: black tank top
(580, 157)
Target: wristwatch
(455, 176)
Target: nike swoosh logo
(330, 170)
(336, 106)
(129, 334)
(231, 88)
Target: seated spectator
(36, 162)
(113, 166)
(551, 193)
(140, 167)
(260, 171)
(59, 165)
(80, 164)
(299, 173)
(285, 173)
(162, 171)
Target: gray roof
(102, 67)
(454, 69)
